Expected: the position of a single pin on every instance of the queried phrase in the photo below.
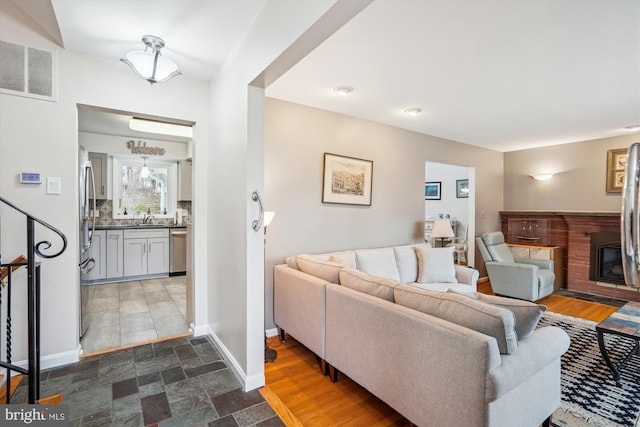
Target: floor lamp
(269, 353)
(442, 230)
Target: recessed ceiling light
(343, 90)
(413, 111)
(632, 128)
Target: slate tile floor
(180, 382)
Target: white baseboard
(271, 332)
(54, 360)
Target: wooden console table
(551, 253)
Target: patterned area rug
(590, 396)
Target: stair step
(4, 272)
(56, 399)
(15, 382)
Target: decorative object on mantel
(347, 180)
(432, 190)
(616, 164)
(462, 188)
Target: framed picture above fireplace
(616, 164)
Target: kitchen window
(150, 192)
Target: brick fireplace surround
(571, 230)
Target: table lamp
(442, 230)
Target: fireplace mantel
(571, 230)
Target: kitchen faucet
(149, 218)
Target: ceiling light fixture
(161, 128)
(144, 172)
(343, 90)
(150, 65)
(413, 112)
(632, 128)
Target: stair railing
(33, 303)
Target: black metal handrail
(33, 303)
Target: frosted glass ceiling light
(413, 112)
(343, 90)
(632, 128)
(150, 65)
(161, 128)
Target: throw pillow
(488, 319)
(372, 285)
(527, 313)
(435, 265)
(379, 262)
(326, 270)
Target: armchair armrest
(514, 274)
(541, 263)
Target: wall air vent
(26, 71)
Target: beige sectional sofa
(437, 352)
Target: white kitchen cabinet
(98, 251)
(100, 175)
(115, 257)
(184, 180)
(146, 252)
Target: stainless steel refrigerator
(87, 223)
(630, 218)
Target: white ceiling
(501, 74)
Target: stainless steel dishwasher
(178, 251)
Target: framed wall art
(347, 180)
(432, 190)
(616, 164)
(462, 188)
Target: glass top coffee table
(624, 322)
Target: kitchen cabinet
(100, 175)
(184, 180)
(552, 253)
(98, 251)
(115, 254)
(146, 252)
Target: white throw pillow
(372, 285)
(435, 265)
(379, 262)
(326, 270)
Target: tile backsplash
(105, 212)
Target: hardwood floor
(302, 396)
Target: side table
(624, 322)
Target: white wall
(579, 183)
(43, 136)
(296, 138)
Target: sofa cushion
(372, 285)
(488, 319)
(379, 262)
(407, 262)
(326, 270)
(435, 265)
(527, 313)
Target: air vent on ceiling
(26, 71)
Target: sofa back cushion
(435, 265)
(488, 319)
(372, 285)
(326, 270)
(379, 262)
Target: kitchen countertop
(140, 226)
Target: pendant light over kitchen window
(150, 64)
(144, 172)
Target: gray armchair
(518, 278)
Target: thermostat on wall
(30, 178)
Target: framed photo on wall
(347, 180)
(616, 164)
(432, 190)
(462, 188)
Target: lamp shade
(442, 229)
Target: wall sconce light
(150, 65)
(543, 176)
